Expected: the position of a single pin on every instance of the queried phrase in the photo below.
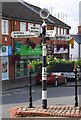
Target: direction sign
(63, 37)
(20, 34)
(35, 29)
(50, 33)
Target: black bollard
(30, 90)
(76, 96)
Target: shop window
(21, 68)
(65, 46)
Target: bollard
(76, 96)
(30, 88)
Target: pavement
(7, 85)
(51, 111)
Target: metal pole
(76, 96)
(30, 90)
(44, 72)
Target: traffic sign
(50, 33)
(20, 34)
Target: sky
(70, 8)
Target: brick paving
(51, 111)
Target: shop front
(24, 54)
(5, 52)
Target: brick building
(20, 16)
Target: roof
(17, 10)
(77, 38)
(56, 21)
(27, 12)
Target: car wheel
(56, 83)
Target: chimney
(79, 29)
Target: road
(19, 97)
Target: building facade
(18, 52)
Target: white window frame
(58, 31)
(23, 26)
(65, 31)
(62, 31)
(55, 29)
(5, 26)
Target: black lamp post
(30, 88)
(76, 96)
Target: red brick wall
(0, 57)
(0, 69)
(15, 26)
(0, 33)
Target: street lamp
(30, 87)
(44, 14)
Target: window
(4, 26)
(61, 31)
(22, 26)
(65, 31)
(58, 31)
(55, 29)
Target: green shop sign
(24, 50)
(27, 50)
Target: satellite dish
(44, 13)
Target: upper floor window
(58, 31)
(65, 31)
(22, 26)
(55, 29)
(61, 31)
(4, 26)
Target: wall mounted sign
(6, 51)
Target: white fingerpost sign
(50, 33)
(20, 34)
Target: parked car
(52, 78)
(71, 75)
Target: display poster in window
(5, 75)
